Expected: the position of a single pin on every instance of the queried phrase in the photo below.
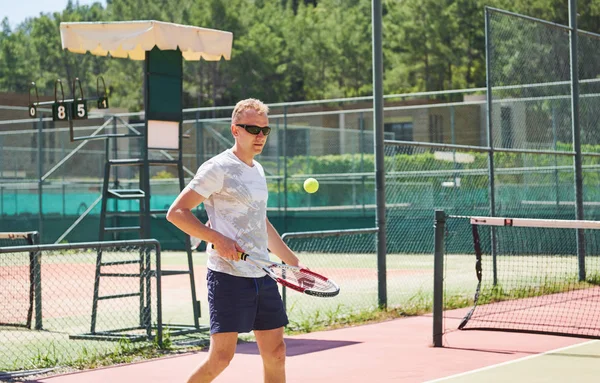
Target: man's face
(248, 142)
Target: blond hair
(249, 104)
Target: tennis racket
(296, 278)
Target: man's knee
(212, 366)
(276, 354)
(219, 360)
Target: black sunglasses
(255, 129)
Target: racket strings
(304, 280)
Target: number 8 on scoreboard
(59, 108)
(59, 111)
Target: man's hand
(228, 248)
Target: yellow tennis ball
(311, 185)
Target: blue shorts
(239, 304)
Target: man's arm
(180, 214)
(277, 246)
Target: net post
(438, 277)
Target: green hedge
(425, 169)
(355, 163)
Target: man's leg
(272, 350)
(220, 353)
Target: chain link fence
(349, 257)
(531, 109)
(440, 153)
(70, 304)
(48, 183)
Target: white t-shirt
(236, 203)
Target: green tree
(17, 58)
(416, 36)
(293, 50)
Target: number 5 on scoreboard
(79, 105)
(79, 111)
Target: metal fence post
(285, 171)
(490, 136)
(40, 168)
(438, 278)
(379, 151)
(578, 159)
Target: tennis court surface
(394, 351)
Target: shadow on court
(297, 346)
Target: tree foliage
(283, 50)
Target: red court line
(393, 351)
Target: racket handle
(242, 255)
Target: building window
(403, 131)
(506, 127)
(436, 128)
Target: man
(233, 188)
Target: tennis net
(532, 275)
(18, 277)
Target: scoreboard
(75, 108)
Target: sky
(18, 10)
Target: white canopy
(132, 38)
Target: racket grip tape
(242, 255)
